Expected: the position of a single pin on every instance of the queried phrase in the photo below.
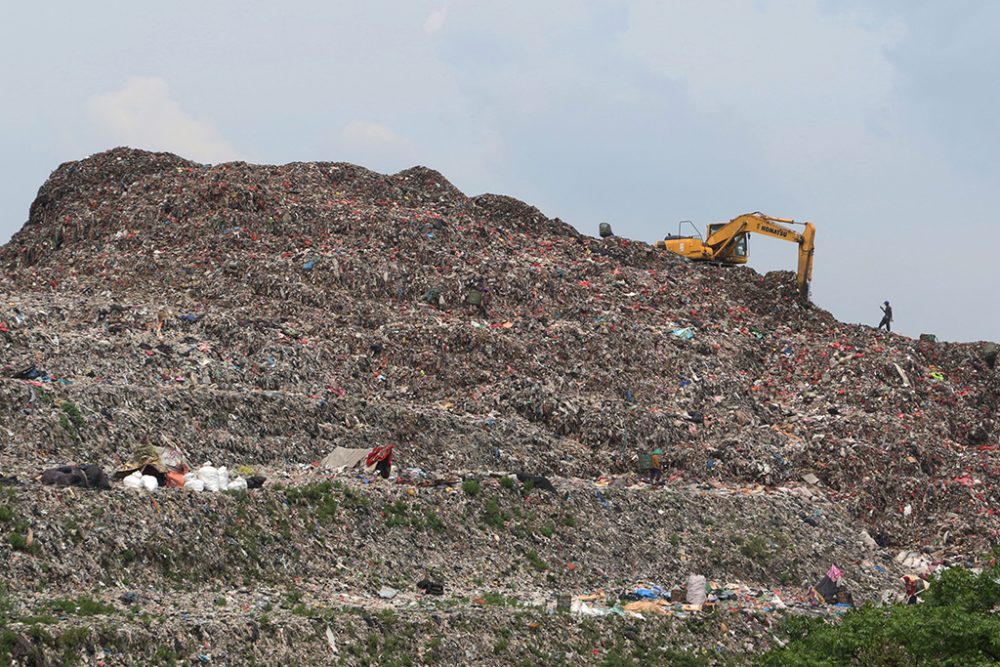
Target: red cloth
(377, 454)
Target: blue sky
(878, 121)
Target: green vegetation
(164, 656)
(81, 606)
(756, 550)
(6, 605)
(63, 648)
(400, 513)
(507, 482)
(353, 499)
(471, 487)
(396, 514)
(17, 527)
(499, 600)
(65, 424)
(73, 413)
(957, 625)
(319, 496)
(536, 560)
(433, 521)
(663, 657)
(70, 420)
(493, 515)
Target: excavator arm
(723, 240)
(726, 242)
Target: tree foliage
(958, 624)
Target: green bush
(73, 413)
(493, 515)
(81, 606)
(433, 521)
(471, 487)
(320, 496)
(755, 550)
(536, 560)
(396, 514)
(954, 626)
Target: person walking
(886, 317)
(656, 465)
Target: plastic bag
(209, 475)
(133, 481)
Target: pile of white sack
(206, 478)
(209, 478)
(139, 481)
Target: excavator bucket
(807, 248)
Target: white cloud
(144, 115)
(435, 22)
(375, 146)
(808, 83)
(365, 132)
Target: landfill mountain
(261, 316)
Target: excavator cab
(736, 252)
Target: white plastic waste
(238, 484)
(133, 481)
(209, 475)
(194, 485)
(149, 482)
(223, 472)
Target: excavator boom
(726, 242)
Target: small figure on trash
(886, 317)
(656, 465)
(913, 585)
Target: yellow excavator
(726, 242)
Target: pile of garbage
(239, 305)
(265, 316)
